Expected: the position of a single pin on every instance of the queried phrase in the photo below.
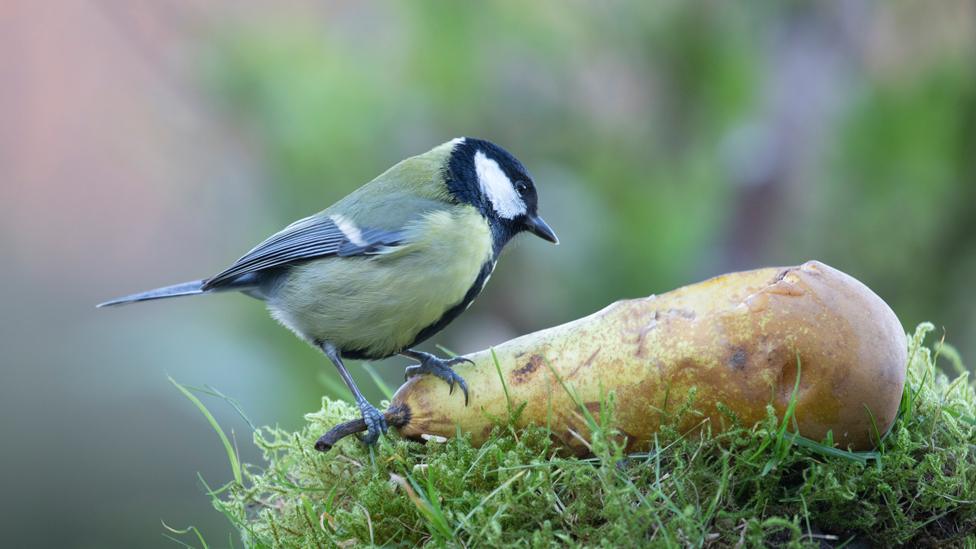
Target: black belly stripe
(440, 323)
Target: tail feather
(176, 290)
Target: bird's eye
(521, 187)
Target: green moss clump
(757, 486)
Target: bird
(391, 264)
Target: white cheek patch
(497, 187)
(349, 229)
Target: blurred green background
(147, 143)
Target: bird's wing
(316, 236)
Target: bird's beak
(535, 225)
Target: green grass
(760, 485)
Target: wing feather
(308, 238)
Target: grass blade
(235, 463)
(498, 368)
(335, 387)
(383, 387)
(183, 532)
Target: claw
(375, 422)
(464, 389)
(442, 369)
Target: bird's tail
(176, 290)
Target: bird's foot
(375, 422)
(442, 368)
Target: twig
(396, 416)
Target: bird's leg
(375, 422)
(442, 368)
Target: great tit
(391, 264)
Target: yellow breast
(378, 304)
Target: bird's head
(489, 178)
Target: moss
(758, 485)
